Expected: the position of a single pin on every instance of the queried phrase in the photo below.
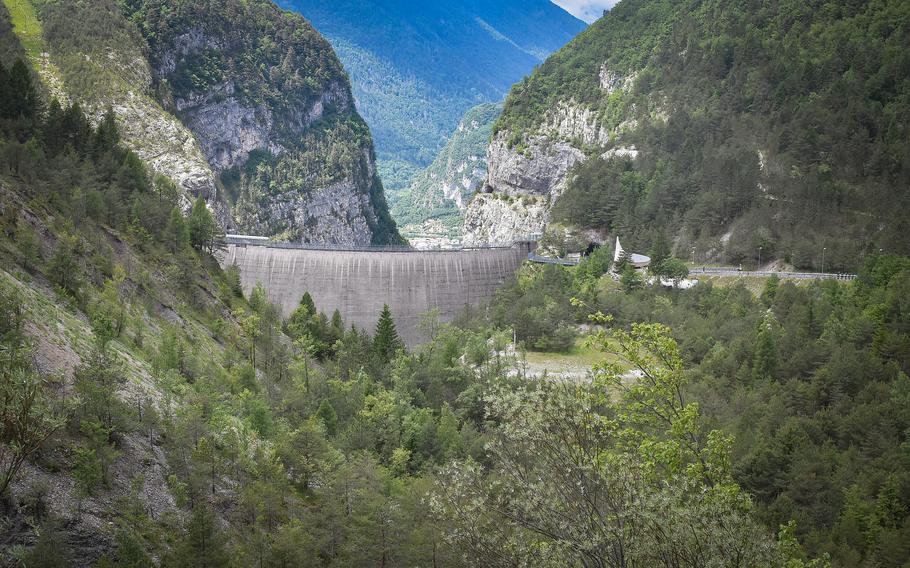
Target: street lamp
(693, 256)
(823, 258)
(759, 258)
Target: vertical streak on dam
(358, 283)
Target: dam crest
(357, 281)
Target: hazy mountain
(417, 67)
(434, 203)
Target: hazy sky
(587, 10)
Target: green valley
(177, 395)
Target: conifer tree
(107, 136)
(386, 341)
(203, 544)
(764, 364)
(326, 413)
(660, 251)
(178, 234)
(202, 227)
(300, 323)
(337, 323)
(23, 100)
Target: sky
(587, 10)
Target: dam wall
(358, 282)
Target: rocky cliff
(266, 131)
(275, 119)
(537, 168)
(730, 129)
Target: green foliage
(671, 268)
(446, 58)
(19, 98)
(87, 471)
(538, 308)
(202, 544)
(772, 124)
(557, 444)
(386, 342)
(63, 268)
(51, 550)
(28, 415)
(630, 279)
(327, 416)
(201, 226)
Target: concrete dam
(357, 282)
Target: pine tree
(307, 301)
(386, 341)
(302, 319)
(6, 95)
(764, 363)
(23, 101)
(201, 226)
(178, 234)
(337, 326)
(447, 433)
(203, 545)
(660, 251)
(326, 413)
(107, 136)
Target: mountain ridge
(446, 58)
(709, 121)
(196, 97)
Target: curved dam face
(358, 283)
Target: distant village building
(638, 261)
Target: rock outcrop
(244, 100)
(197, 94)
(539, 167)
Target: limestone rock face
(540, 166)
(305, 189)
(335, 214)
(275, 120)
(538, 174)
(493, 219)
(540, 170)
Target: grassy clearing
(28, 29)
(580, 355)
(575, 363)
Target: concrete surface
(358, 283)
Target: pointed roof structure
(637, 260)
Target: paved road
(768, 273)
(547, 260)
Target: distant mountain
(735, 127)
(433, 204)
(417, 67)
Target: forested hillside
(734, 125)
(266, 132)
(417, 67)
(439, 194)
(152, 415)
(811, 381)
